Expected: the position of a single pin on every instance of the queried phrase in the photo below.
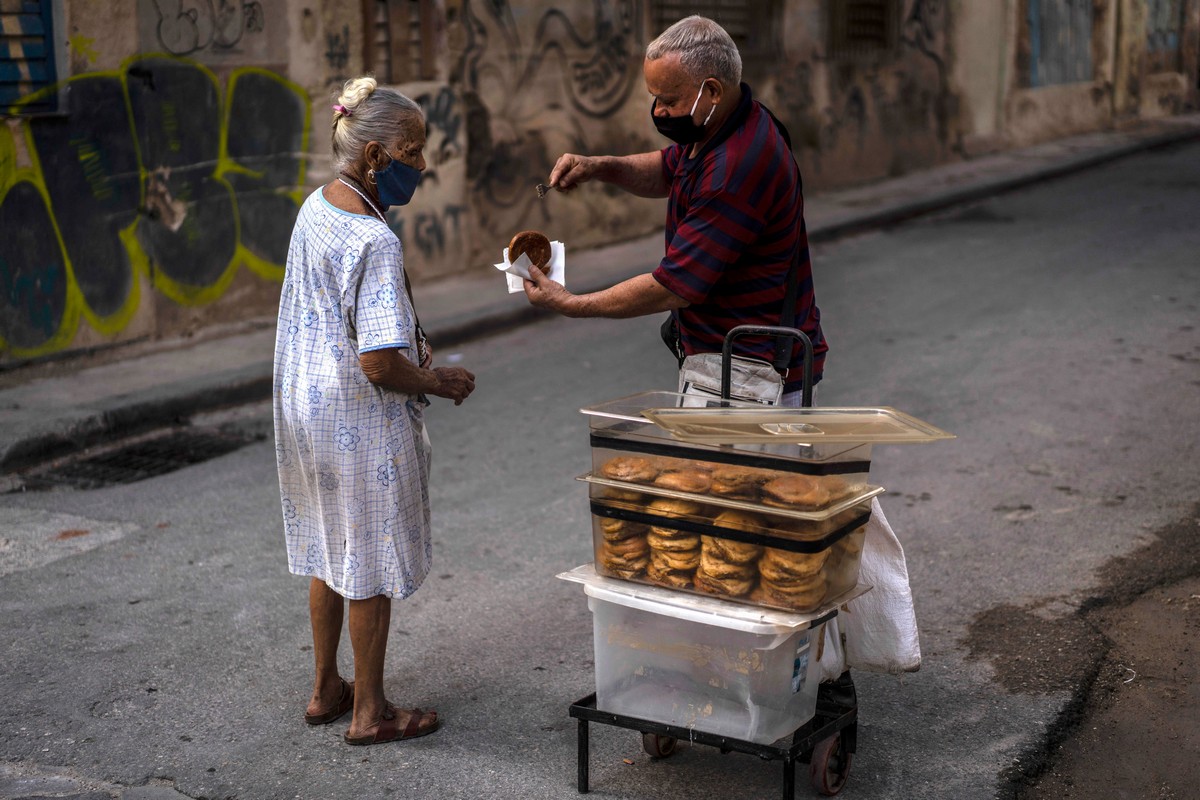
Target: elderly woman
(352, 371)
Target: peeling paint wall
(861, 117)
(162, 203)
(163, 185)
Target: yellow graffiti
(83, 45)
(226, 165)
(97, 176)
(10, 176)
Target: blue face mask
(396, 183)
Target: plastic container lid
(761, 425)
(704, 610)
(630, 408)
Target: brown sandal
(390, 732)
(344, 704)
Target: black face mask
(681, 129)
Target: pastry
(836, 486)
(627, 558)
(715, 567)
(673, 540)
(692, 480)
(730, 550)
(623, 495)
(533, 244)
(802, 596)
(784, 565)
(681, 560)
(668, 577)
(671, 507)
(740, 521)
(737, 483)
(795, 491)
(630, 468)
(616, 529)
(731, 586)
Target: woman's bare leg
(325, 608)
(369, 622)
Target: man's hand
(545, 293)
(572, 170)
(453, 383)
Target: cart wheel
(829, 766)
(658, 746)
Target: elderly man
(735, 218)
(736, 243)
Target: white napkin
(518, 271)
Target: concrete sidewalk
(53, 409)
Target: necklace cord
(422, 341)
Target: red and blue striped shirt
(735, 220)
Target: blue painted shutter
(26, 53)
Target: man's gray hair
(367, 112)
(705, 50)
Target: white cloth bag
(880, 627)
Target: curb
(992, 187)
(129, 415)
(176, 403)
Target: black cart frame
(828, 721)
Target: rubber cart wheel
(829, 766)
(658, 746)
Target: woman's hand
(390, 369)
(453, 383)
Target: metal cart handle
(767, 330)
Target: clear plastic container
(701, 663)
(622, 424)
(682, 475)
(759, 559)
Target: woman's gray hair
(705, 50)
(367, 112)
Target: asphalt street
(1053, 329)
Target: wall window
(1056, 39)
(862, 28)
(753, 26)
(28, 56)
(1164, 24)
(401, 41)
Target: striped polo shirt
(735, 219)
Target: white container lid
(704, 610)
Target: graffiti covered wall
(859, 117)
(162, 200)
(161, 183)
(148, 174)
(535, 82)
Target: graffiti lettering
(442, 113)
(430, 230)
(187, 26)
(337, 52)
(507, 132)
(89, 221)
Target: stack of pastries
(713, 564)
(727, 566)
(674, 554)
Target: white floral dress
(353, 458)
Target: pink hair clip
(341, 109)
